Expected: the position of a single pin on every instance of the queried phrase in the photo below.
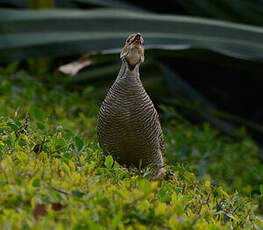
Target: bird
(128, 125)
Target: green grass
(53, 174)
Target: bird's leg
(158, 173)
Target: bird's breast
(128, 123)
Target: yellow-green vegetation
(53, 174)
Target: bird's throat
(127, 69)
(127, 73)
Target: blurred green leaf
(13, 126)
(77, 193)
(3, 183)
(108, 161)
(40, 125)
(38, 114)
(59, 143)
(145, 186)
(88, 89)
(79, 143)
(116, 220)
(36, 182)
(261, 189)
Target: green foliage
(208, 153)
(52, 175)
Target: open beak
(136, 42)
(137, 38)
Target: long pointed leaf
(242, 11)
(109, 3)
(66, 33)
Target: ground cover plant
(53, 174)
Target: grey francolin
(128, 124)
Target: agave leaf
(256, 127)
(14, 3)
(67, 33)
(185, 96)
(74, 3)
(248, 12)
(242, 11)
(108, 3)
(207, 8)
(178, 87)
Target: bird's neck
(126, 72)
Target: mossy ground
(53, 175)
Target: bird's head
(133, 51)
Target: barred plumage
(128, 124)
